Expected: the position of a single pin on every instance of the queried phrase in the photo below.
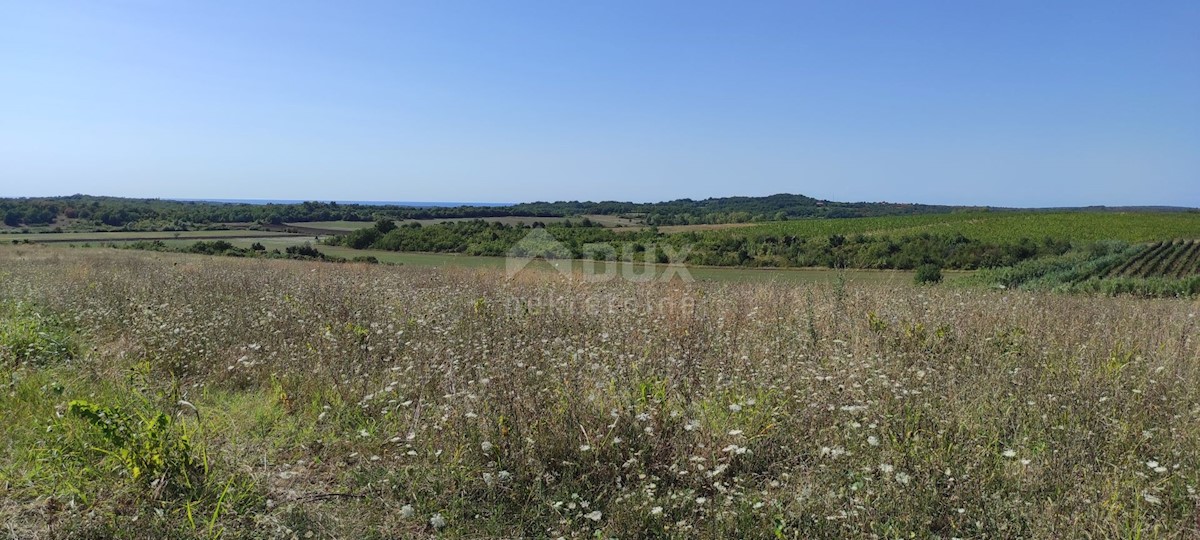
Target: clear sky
(1007, 102)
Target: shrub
(928, 274)
(149, 447)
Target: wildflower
(437, 521)
(1151, 498)
(1010, 453)
(873, 440)
(886, 468)
(1025, 462)
(656, 511)
(701, 500)
(902, 478)
(594, 515)
(734, 407)
(834, 452)
(486, 446)
(407, 511)
(585, 448)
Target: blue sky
(1009, 103)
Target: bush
(148, 447)
(928, 274)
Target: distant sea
(413, 204)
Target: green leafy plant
(148, 447)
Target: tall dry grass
(389, 402)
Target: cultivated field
(1169, 258)
(154, 395)
(1004, 226)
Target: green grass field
(700, 273)
(1002, 226)
(454, 260)
(333, 225)
(346, 226)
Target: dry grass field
(155, 395)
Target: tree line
(717, 248)
(164, 214)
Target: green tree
(385, 225)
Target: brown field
(317, 400)
(133, 236)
